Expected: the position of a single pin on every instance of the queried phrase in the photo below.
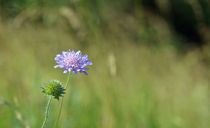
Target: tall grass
(151, 87)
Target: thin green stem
(61, 104)
(68, 79)
(47, 112)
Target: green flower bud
(54, 88)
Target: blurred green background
(151, 62)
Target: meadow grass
(129, 85)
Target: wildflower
(54, 88)
(72, 61)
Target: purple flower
(72, 61)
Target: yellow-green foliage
(130, 85)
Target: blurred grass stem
(17, 112)
(47, 112)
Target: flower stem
(47, 112)
(61, 104)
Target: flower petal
(65, 71)
(75, 72)
(85, 72)
(89, 62)
(78, 52)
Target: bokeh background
(151, 62)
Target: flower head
(72, 61)
(54, 88)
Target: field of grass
(131, 84)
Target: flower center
(71, 61)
